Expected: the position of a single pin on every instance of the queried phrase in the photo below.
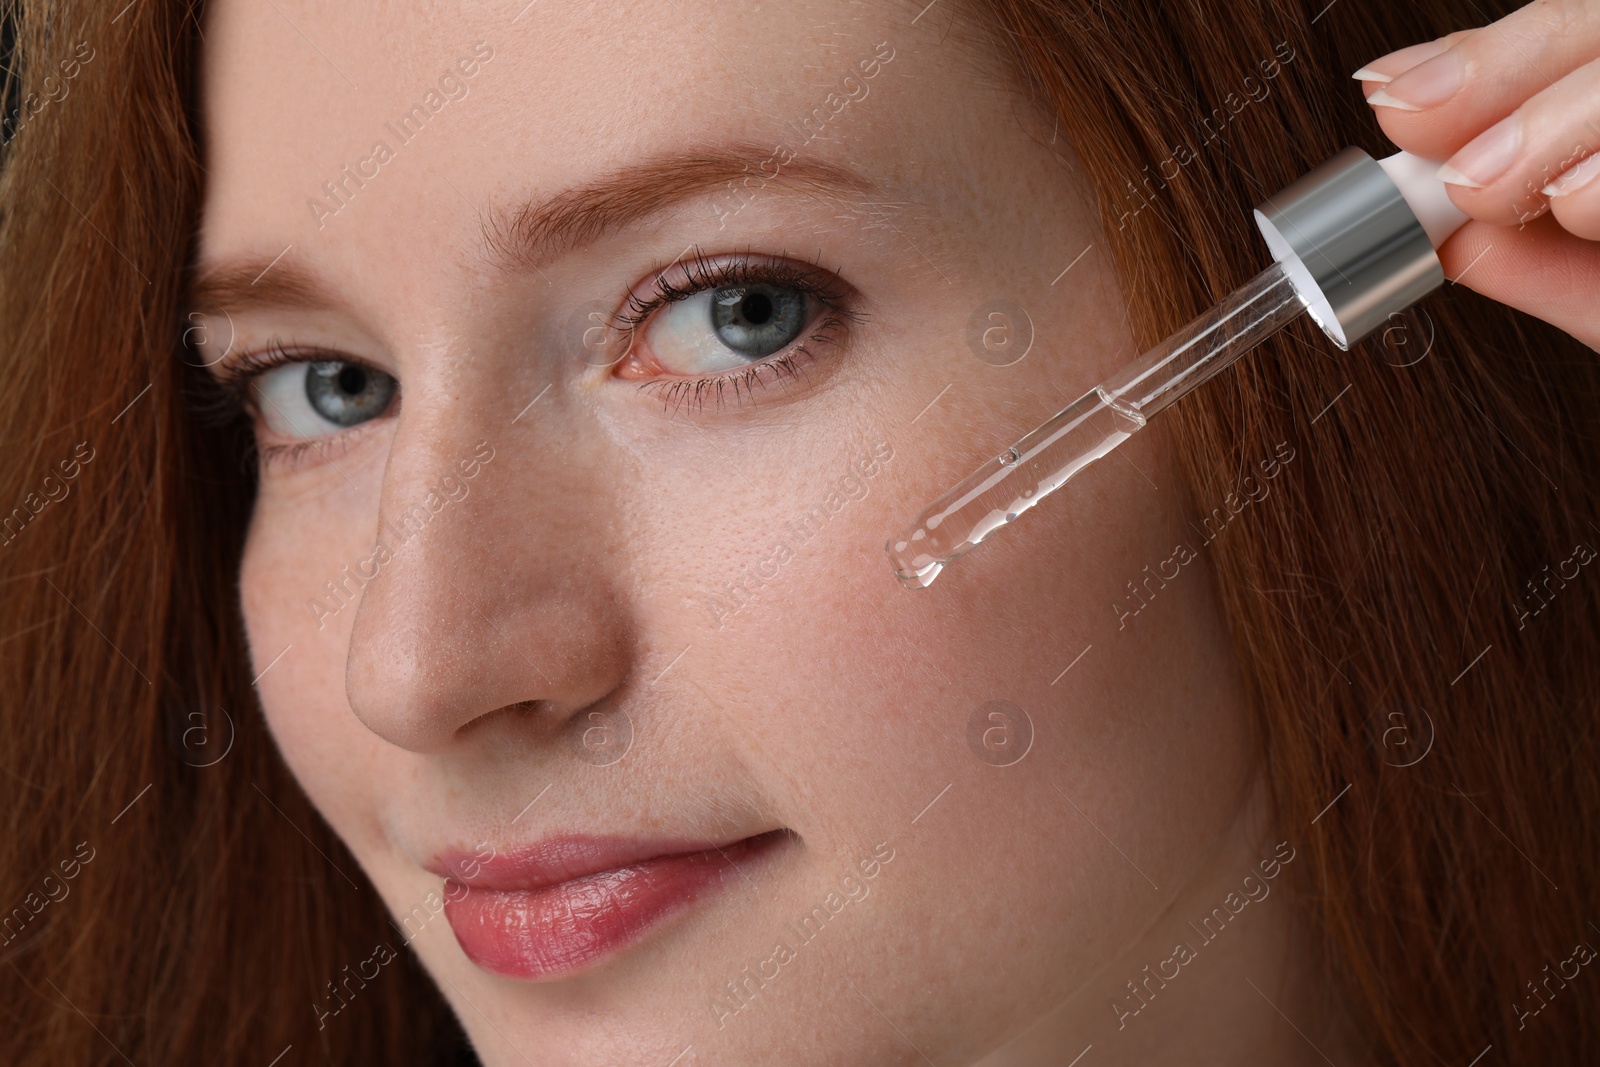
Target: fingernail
(1574, 177)
(1486, 156)
(1425, 85)
(1381, 98)
(1387, 68)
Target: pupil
(756, 321)
(757, 308)
(348, 393)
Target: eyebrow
(247, 284)
(537, 232)
(532, 233)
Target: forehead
(339, 129)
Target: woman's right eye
(316, 398)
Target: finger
(1499, 175)
(1540, 269)
(1437, 106)
(1575, 199)
(1385, 69)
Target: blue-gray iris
(757, 320)
(347, 393)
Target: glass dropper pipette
(1353, 243)
(1091, 426)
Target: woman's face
(690, 308)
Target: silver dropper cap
(1353, 248)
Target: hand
(1514, 108)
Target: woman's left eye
(316, 398)
(709, 327)
(727, 328)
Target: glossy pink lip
(549, 909)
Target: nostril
(522, 709)
(485, 620)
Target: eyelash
(236, 376)
(747, 268)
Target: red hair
(1404, 569)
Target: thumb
(1539, 268)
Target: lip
(549, 909)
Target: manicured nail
(1425, 85)
(1381, 98)
(1486, 156)
(1574, 177)
(1387, 68)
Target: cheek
(301, 667)
(887, 699)
(886, 683)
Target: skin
(1534, 239)
(439, 709)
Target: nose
(493, 594)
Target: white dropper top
(1357, 236)
(1353, 243)
(1418, 181)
